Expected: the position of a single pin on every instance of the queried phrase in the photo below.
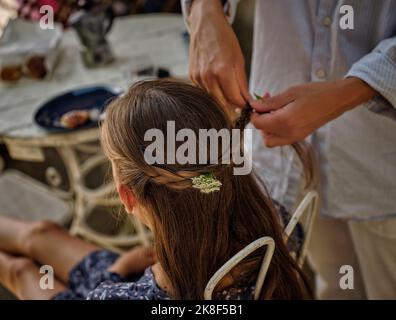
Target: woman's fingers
(279, 127)
(272, 140)
(269, 122)
(216, 59)
(231, 90)
(216, 91)
(196, 76)
(227, 84)
(242, 81)
(222, 85)
(273, 103)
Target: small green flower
(206, 183)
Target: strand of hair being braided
(303, 149)
(177, 180)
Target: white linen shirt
(298, 41)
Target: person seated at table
(197, 227)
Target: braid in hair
(244, 118)
(179, 179)
(302, 149)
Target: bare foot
(135, 260)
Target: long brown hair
(195, 233)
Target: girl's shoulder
(145, 288)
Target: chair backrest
(237, 258)
(308, 208)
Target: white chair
(230, 264)
(308, 209)
(87, 199)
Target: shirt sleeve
(378, 69)
(228, 5)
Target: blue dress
(90, 279)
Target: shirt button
(321, 73)
(327, 21)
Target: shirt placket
(321, 52)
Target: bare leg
(21, 276)
(47, 243)
(44, 242)
(12, 235)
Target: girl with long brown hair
(195, 232)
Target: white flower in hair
(206, 183)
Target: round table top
(157, 36)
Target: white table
(158, 36)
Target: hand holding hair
(300, 110)
(216, 60)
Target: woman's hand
(295, 113)
(134, 261)
(216, 60)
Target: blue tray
(96, 97)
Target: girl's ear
(127, 197)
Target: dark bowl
(96, 97)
